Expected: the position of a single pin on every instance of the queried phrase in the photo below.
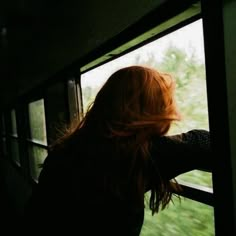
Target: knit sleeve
(174, 155)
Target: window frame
(213, 41)
(31, 142)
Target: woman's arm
(176, 154)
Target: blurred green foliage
(188, 217)
(180, 218)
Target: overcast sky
(188, 38)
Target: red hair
(134, 99)
(134, 104)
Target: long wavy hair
(135, 103)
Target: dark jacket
(69, 198)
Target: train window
(13, 123)
(37, 121)
(37, 156)
(181, 53)
(37, 143)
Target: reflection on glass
(37, 121)
(184, 217)
(13, 123)
(37, 156)
(15, 151)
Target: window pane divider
(201, 194)
(14, 136)
(37, 143)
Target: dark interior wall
(229, 17)
(15, 191)
(45, 37)
(40, 39)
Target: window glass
(13, 123)
(37, 156)
(37, 121)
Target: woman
(94, 179)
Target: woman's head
(135, 103)
(136, 98)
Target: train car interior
(54, 57)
